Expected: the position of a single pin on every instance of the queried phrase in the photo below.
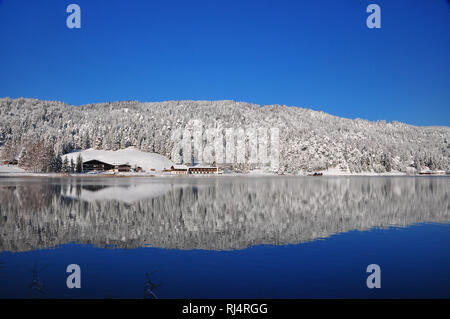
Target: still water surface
(225, 237)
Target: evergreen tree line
(40, 157)
(309, 140)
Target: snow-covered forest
(309, 140)
(218, 215)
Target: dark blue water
(191, 241)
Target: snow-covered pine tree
(72, 166)
(56, 164)
(79, 165)
(65, 166)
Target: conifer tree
(79, 166)
(65, 166)
(72, 166)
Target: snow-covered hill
(130, 156)
(309, 140)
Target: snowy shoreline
(18, 173)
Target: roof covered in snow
(130, 156)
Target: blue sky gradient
(314, 54)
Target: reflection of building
(109, 215)
(96, 166)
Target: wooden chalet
(96, 166)
(123, 168)
(178, 170)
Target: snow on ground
(130, 156)
(11, 169)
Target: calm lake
(225, 237)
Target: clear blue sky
(315, 54)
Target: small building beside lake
(122, 168)
(184, 170)
(99, 166)
(96, 166)
(124, 160)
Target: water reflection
(209, 213)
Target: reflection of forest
(219, 213)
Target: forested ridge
(309, 140)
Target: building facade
(96, 166)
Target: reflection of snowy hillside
(213, 213)
(130, 156)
